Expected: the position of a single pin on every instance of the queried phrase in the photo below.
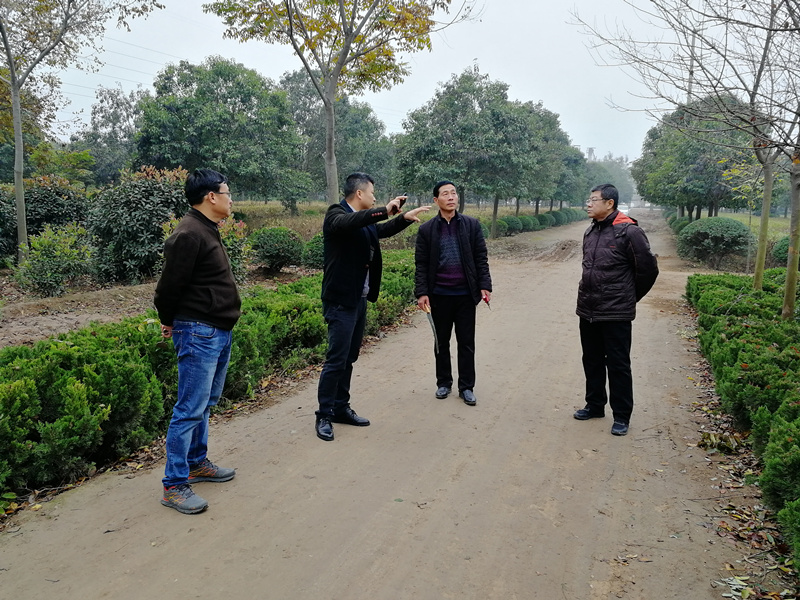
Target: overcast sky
(532, 46)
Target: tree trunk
(331, 170)
(551, 205)
(763, 230)
(494, 216)
(516, 214)
(787, 313)
(536, 209)
(462, 199)
(698, 213)
(19, 165)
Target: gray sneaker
(183, 499)
(208, 471)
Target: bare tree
(741, 59)
(48, 35)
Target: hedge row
(97, 394)
(755, 359)
(512, 225)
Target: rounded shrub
(8, 224)
(57, 257)
(126, 222)
(48, 201)
(514, 225)
(313, 255)
(502, 228)
(679, 223)
(485, 230)
(546, 220)
(780, 251)
(527, 223)
(712, 239)
(559, 217)
(52, 201)
(276, 247)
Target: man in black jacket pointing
(352, 276)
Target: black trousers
(607, 352)
(457, 312)
(345, 333)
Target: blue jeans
(345, 332)
(203, 354)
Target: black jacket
(197, 281)
(474, 257)
(618, 269)
(351, 247)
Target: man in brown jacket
(198, 304)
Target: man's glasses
(593, 200)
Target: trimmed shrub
(514, 225)
(52, 201)
(234, 237)
(126, 221)
(48, 201)
(276, 247)
(546, 220)
(57, 257)
(485, 230)
(313, 252)
(559, 217)
(502, 228)
(780, 251)
(711, 240)
(8, 224)
(527, 223)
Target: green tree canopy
(346, 46)
(226, 117)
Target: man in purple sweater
(452, 277)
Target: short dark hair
(608, 192)
(355, 182)
(439, 185)
(202, 181)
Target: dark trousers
(455, 312)
(607, 351)
(345, 333)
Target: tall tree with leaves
(110, 136)
(47, 35)
(226, 117)
(346, 46)
(361, 143)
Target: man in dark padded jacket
(618, 270)
(198, 305)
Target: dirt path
(510, 499)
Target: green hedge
(93, 395)
(755, 358)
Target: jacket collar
(193, 212)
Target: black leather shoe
(349, 417)
(584, 414)
(442, 392)
(468, 396)
(619, 428)
(324, 429)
